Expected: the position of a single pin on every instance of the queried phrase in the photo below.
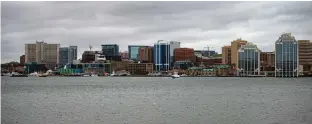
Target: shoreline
(170, 76)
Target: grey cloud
(196, 24)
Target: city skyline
(203, 23)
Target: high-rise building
(110, 50)
(162, 56)
(286, 56)
(72, 53)
(235, 45)
(67, 55)
(184, 54)
(173, 45)
(22, 59)
(64, 56)
(248, 60)
(134, 51)
(305, 55)
(226, 55)
(146, 54)
(43, 53)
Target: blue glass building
(110, 49)
(248, 60)
(134, 51)
(67, 55)
(162, 56)
(286, 56)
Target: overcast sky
(194, 24)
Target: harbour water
(156, 100)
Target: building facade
(184, 54)
(235, 45)
(67, 55)
(305, 55)
(96, 68)
(146, 54)
(226, 55)
(120, 65)
(88, 57)
(141, 68)
(22, 59)
(183, 65)
(162, 56)
(64, 55)
(134, 51)
(173, 45)
(206, 53)
(286, 56)
(248, 60)
(267, 62)
(124, 55)
(43, 53)
(110, 50)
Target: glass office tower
(110, 49)
(162, 56)
(286, 56)
(248, 60)
(134, 51)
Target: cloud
(195, 24)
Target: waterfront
(154, 100)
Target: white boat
(183, 75)
(112, 74)
(33, 74)
(175, 75)
(90, 75)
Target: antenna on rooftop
(90, 47)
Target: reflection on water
(155, 100)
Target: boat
(183, 75)
(34, 74)
(112, 74)
(87, 75)
(175, 75)
(19, 75)
(90, 75)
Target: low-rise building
(183, 65)
(141, 68)
(96, 68)
(120, 65)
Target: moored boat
(175, 75)
(18, 75)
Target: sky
(195, 24)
